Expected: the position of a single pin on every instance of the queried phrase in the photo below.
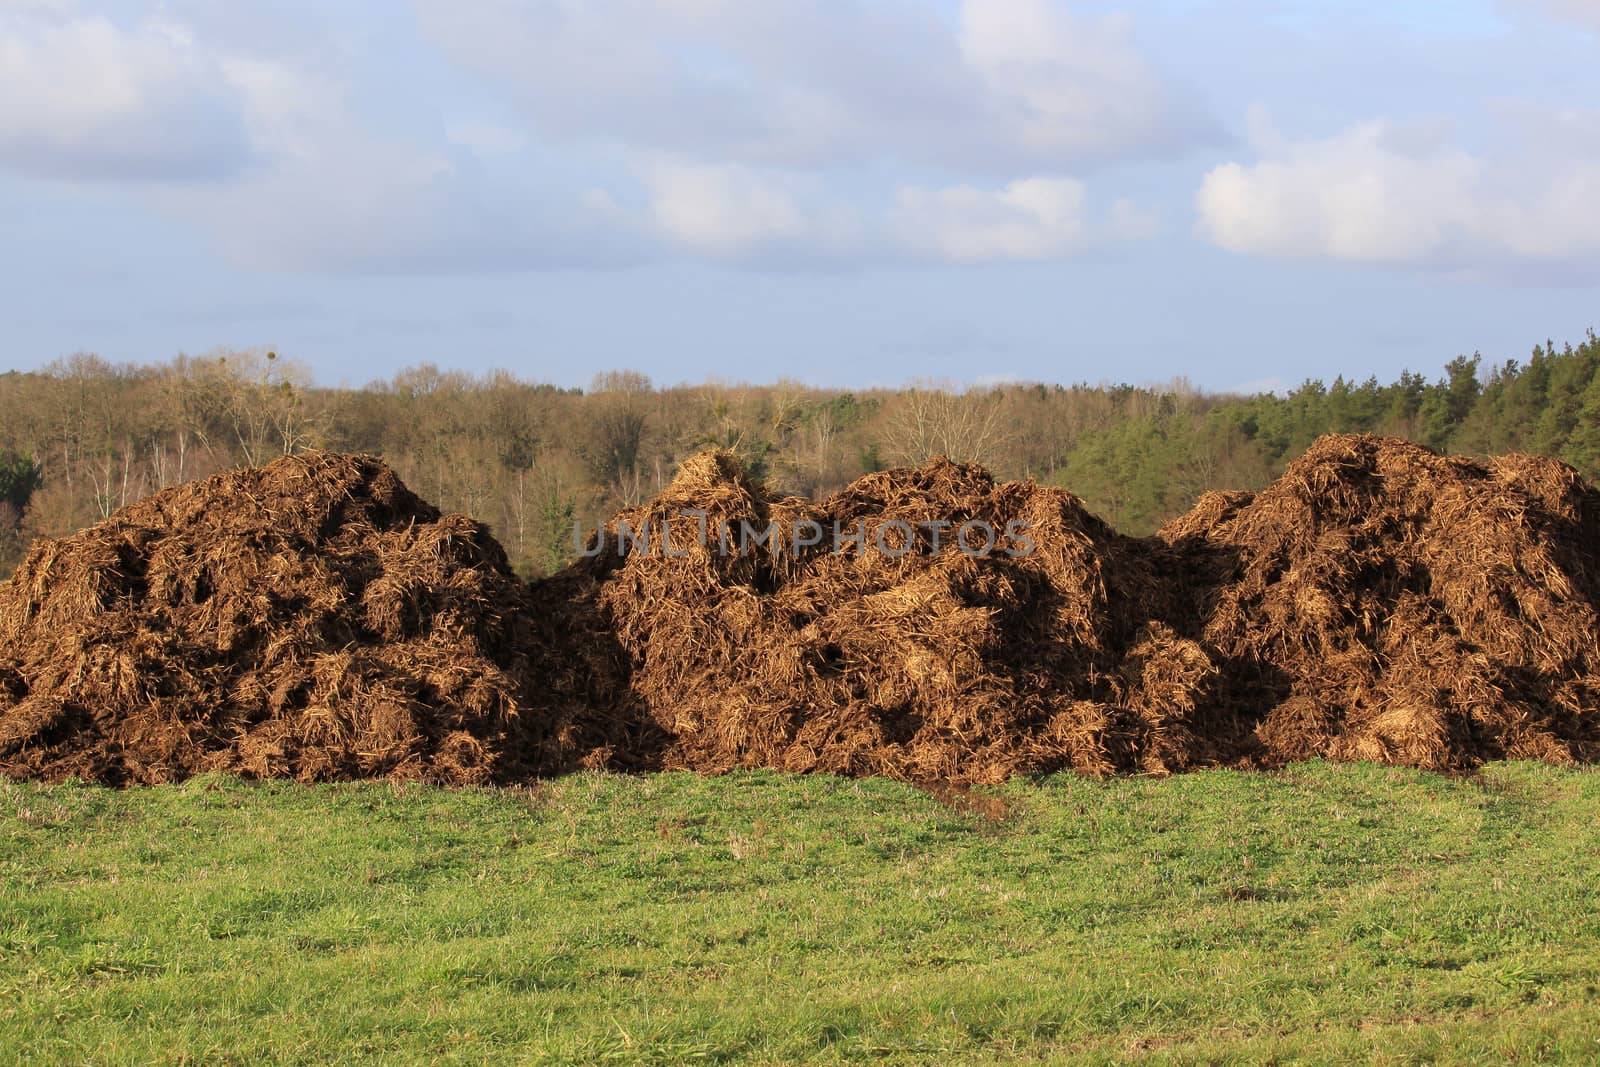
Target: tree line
(83, 437)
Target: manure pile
(314, 619)
(1381, 602)
(890, 658)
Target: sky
(850, 193)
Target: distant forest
(83, 437)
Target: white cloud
(82, 97)
(1063, 87)
(732, 212)
(1382, 192)
(751, 133)
(270, 158)
(721, 209)
(337, 196)
(1030, 219)
(327, 189)
(1011, 84)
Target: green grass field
(1322, 914)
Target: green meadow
(1327, 913)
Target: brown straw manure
(311, 618)
(314, 619)
(893, 656)
(1387, 603)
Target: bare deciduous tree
(618, 427)
(928, 421)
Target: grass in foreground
(1325, 913)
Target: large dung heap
(1382, 602)
(311, 618)
(893, 657)
(315, 619)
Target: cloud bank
(1384, 192)
(82, 98)
(1009, 86)
(615, 131)
(496, 135)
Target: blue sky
(850, 192)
